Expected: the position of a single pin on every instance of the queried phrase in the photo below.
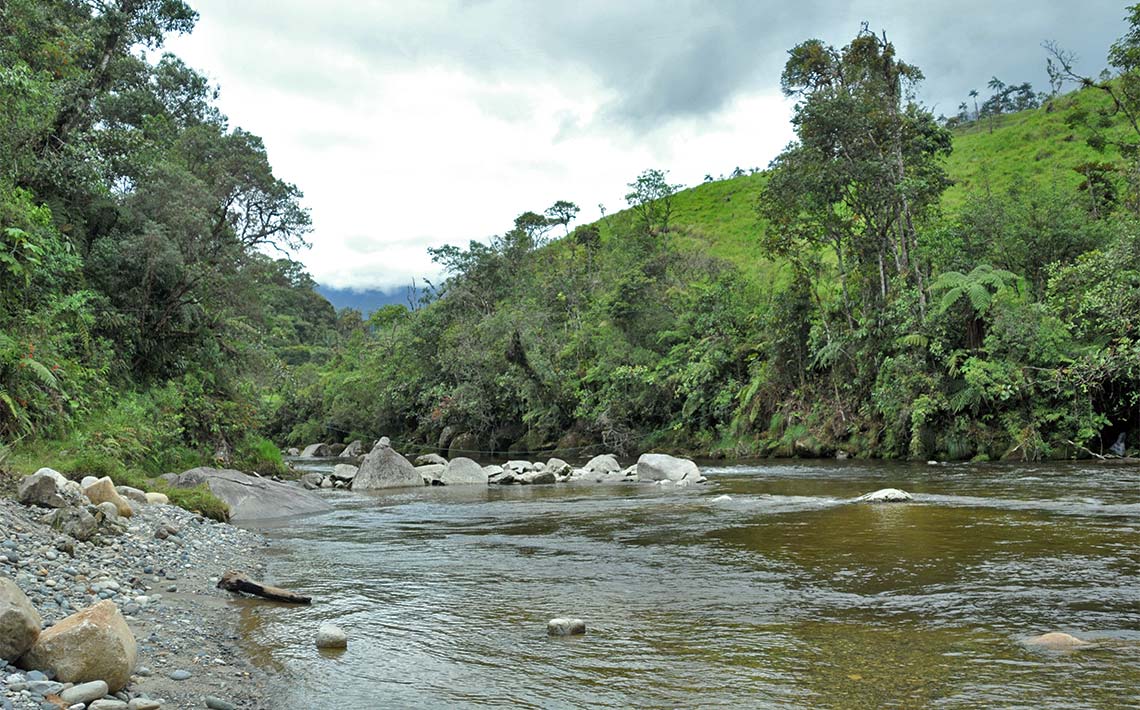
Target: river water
(785, 596)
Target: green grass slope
(1035, 146)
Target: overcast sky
(410, 124)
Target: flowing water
(785, 596)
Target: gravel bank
(185, 628)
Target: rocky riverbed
(159, 568)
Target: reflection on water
(785, 596)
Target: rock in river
(885, 495)
(565, 627)
(384, 467)
(463, 471)
(251, 498)
(663, 467)
(329, 636)
(1057, 641)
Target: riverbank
(165, 589)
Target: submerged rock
(885, 495)
(565, 627)
(1057, 641)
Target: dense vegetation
(886, 288)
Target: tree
(562, 212)
(865, 169)
(651, 199)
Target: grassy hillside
(719, 218)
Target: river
(785, 596)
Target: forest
(894, 284)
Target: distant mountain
(363, 301)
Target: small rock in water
(329, 636)
(565, 627)
(722, 499)
(218, 704)
(885, 495)
(1057, 641)
(180, 674)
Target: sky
(417, 124)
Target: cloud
(410, 125)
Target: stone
(131, 493)
(103, 491)
(330, 636)
(603, 464)
(315, 451)
(180, 674)
(311, 481)
(384, 467)
(722, 499)
(45, 687)
(19, 621)
(519, 466)
(344, 472)
(565, 627)
(462, 471)
(156, 498)
(354, 449)
(538, 477)
(663, 467)
(87, 481)
(108, 510)
(431, 473)
(84, 692)
(292, 451)
(92, 644)
(143, 704)
(1057, 641)
(493, 470)
(463, 444)
(430, 459)
(885, 495)
(109, 704)
(216, 703)
(78, 523)
(558, 467)
(46, 488)
(253, 498)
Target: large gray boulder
(663, 467)
(603, 464)
(19, 621)
(311, 481)
(384, 467)
(316, 451)
(354, 449)
(251, 498)
(538, 477)
(49, 489)
(92, 644)
(559, 468)
(462, 471)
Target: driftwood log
(235, 581)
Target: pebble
(180, 674)
(218, 704)
(108, 704)
(330, 636)
(143, 704)
(84, 692)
